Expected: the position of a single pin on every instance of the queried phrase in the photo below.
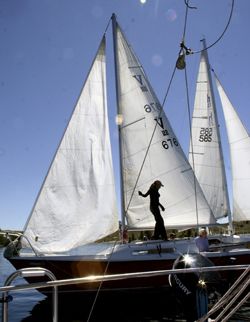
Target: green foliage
(240, 228)
(3, 240)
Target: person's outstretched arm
(143, 194)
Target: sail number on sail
(206, 134)
(170, 142)
(155, 107)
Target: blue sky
(46, 50)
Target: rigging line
(185, 22)
(187, 4)
(191, 143)
(163, 103)
(100, 285)
(225, 29)
(188, 51)
(107, 25)
(150, 141)
(165, 97)
(183, 49)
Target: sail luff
(223, 172)
(206, 143)
(239, 145)
(114, 28)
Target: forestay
(164, 160)
(239, 143)
(76, 204)
(205, 152)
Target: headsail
(239, 143)
(205, 152)
(143, 117)
(76, 204)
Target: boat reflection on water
(125, 306)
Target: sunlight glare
(157, 60)
(188, 259)
(202, 283)
(92, 277)
(171, 15)
(119, 119)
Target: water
(23, 302)
(31, 306)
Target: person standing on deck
(153, 192)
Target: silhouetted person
(154, 208)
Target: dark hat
(158, 182)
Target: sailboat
(76, 205)
(205, 153)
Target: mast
(114, 25)
(218, 134)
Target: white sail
(164, 160)
(239, 143)
(205, 153)
(76, 204)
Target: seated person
(202, 241)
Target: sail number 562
(169, 143)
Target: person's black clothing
(160, 230)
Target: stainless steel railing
(29, 272)
(227, 302)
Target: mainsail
(205, 152)
(76, 204)
(239, 144)
(151, 151)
